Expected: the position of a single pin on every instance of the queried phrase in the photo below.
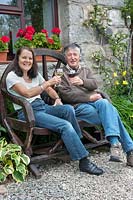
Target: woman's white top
(13, 79)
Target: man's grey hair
(72, 46)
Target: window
(11, 18)
(9, 6)
(42, 14)
(7, 2)
(15, 14)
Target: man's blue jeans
(103, 112)
(60, 119)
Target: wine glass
(72, 73)
(59, 72)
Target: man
(79, 89)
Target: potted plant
(29, 37)
(12, 161)
(4, 40)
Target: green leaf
(3, 142)
(22, 169)
(12, 161)
(13, 148)
(8, 168)
(2, 129)
(17, 176)
(16, 158)
(25, 159)
(2, 176)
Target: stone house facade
(72, 14)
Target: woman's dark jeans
(60, 119)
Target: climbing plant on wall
(115, 68)
(118, 75)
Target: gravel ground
(64, 181)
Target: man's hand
(76, 80)
(95, 97)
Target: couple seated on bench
(78, 89)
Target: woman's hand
(58, 102)
(55, 80)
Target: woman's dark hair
(72, 46)
(32, 73)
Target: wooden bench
(25, 133)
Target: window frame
(14, 10)
(19, 10)
(11, 9)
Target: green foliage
(118, 44)
(115, 69)
(118, 78)
(39, 40)
(22, 42)
(98, 19)
(12, 161)
(9, 106)
(3, 46)
(2, 129)
(116, 72)
(127, 10)
(4, 40)
(29, 37)
(125, 109)
(57, 42)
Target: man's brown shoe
(116, 153)
(130, 158)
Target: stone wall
(2, 68)
(72, 14)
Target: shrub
(12, 161)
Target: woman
(25, 81)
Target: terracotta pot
(48, 58)
(3, 55)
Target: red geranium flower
(45, 31)
(56, 30)
(28, 36)
(30, 29)
(5, 39)
(50, 41)
(20, 33)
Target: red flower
(20, 33)
(56, 31)
(28, 36)
(50, 41)
(5, 39)
(30, 29)
(45, 31)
